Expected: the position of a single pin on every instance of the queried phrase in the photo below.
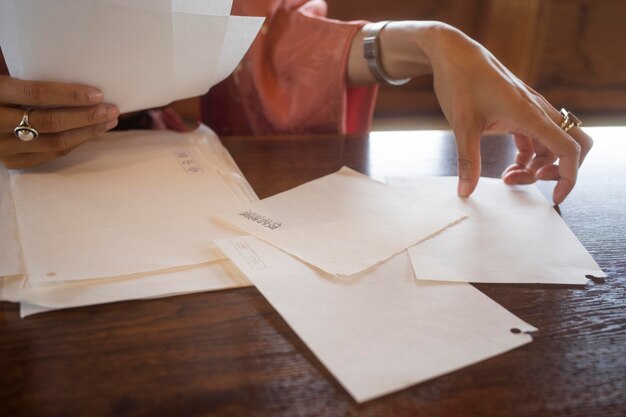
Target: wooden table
(229, 353)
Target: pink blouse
(293, 78)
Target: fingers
(59, 120)
(468, 147)
(570, 148)
(56, 142)
(22, 161)
(518, 173)
(563, 147)
(584, 140)
(530, 163)
(65, 115)
(49, 94)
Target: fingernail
(465, 188)
(110, 125)
(95, 96)
(113, 112)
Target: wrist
(404, 46)
(408, 49)
(448, 48)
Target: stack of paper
(122, 217)
(140, 53)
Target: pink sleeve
(293, 79)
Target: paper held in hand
(140, 53)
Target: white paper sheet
(383, 331)
(343, 223)
(222, 41)
(140, 53)
(209, 8)
(512, 235)
(127, 203)
(219, 275)
(240, 33)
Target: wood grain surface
(229, 353)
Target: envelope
(383, 331)
(344, 223)
(512, 235)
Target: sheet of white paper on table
(512, 235)
(127, 203)
(137, 52)
(219, 275)
(383, 331)
(343, 223)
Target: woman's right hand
(65, 115)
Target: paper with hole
(140, 53)
(511, 235)
(343, 223)
(383, 331)
(36, 298)
(127, 203)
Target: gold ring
(569, 120)
(24, 131)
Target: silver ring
(24, 131)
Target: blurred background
(571, 51)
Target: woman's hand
(477, 93)
(65, 115)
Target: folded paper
(140, 53)
(382, 331)
(512, 235)
(343, 223)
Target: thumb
(468, 149)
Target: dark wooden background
(229, 353)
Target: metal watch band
(371, 53)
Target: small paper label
(187, 161)
(248, 254)
(261, 219)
